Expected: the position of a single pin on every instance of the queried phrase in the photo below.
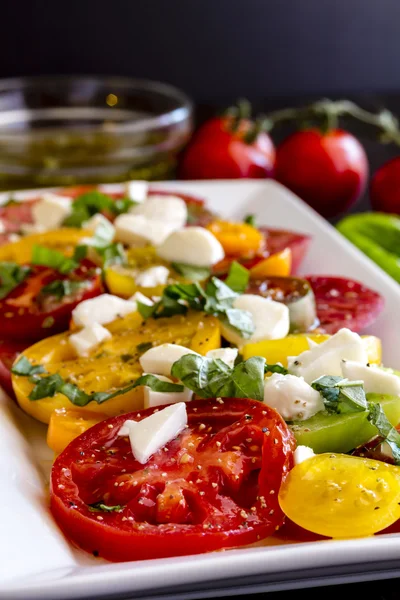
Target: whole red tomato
(327, 170)
(218, 152)
(385, 187)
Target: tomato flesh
(343, 302)
(9, 350)
(27, 314)
(214, 486)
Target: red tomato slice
(214, 486)
(28, 314)
(343, 302)
(9, 350)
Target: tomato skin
(328, 171)
(22, 318)
(9, 350)
(385, 187)
(211, 517)
(217, 153)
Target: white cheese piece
(88, 338)
(102, 309)
(14, 237)
(163, 208)
(326, 358)
(152, 277)
(271, 320)
(139, 297)
(193, 246)
(137, 230)
(137, 190)
(292, 397)
(31, 228)
(386, 450)
(227, 355)
(302, 453)
(153, 398)
(375, 379)
(160, 359)
(151, 434)
(99, 220)
(2, 227)
(51, 210)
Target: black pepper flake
(264, 429)
(248, 417)
(95, 553)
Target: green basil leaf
(87, 205)
(250, 220)
(341, 395)
(144, 346)
(378, 418)
(101, 507)
(190, 272)
(62, 287)
(212, 378)
(238, 278)
(11, 275)
(47, 387)
(239, 320)
(122, 205)
(277, 368)
(25, 368)
(145, 310)
(47, 257)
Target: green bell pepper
(378, 236)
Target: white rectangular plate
(36, 562)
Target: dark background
(214, 49)
(274, 52)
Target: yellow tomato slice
(236, 238)
(64, 240)
(278, 350)
(114, 364)
(276, 265)
(66, 425)
(342, 496)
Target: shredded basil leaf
(212, 378)
(25, 368)
(94, 202)
(190, 272)
(47, 257)
(238, 278)
(341, 395)
(110, 253)
(277, 368)
(378, 418)
(11, 275)
(250, 220)
(62, 287)
(144, 346)
(101, 507)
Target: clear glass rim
(180, 114)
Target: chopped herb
(238, 277)
(62, 287)
(48, 322)
(250, 220)
(378, 418)
(100, 507)
(48, 257)
(144, 346)
(24, 367)
(190, 272)
(126, 357)
(92, 203)
(212, 378)
(110, 253)
(11, 275)
(341, 395)
(277, 368)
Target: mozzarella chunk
(99, 220)
(151, 434)
(227, 355)
(88, 338)
(271, 320)
(386, 450)
(160, 359)
(51, 210)
(152, 277)
(166, 209)
(139, 297)
(14, 237)
(137, 190)
(326, 358)
(193, 246)
(292, 397)
(102, 309)
(375, 379)
(153, 398)
(302, 453)
(137, 230)
(2, 227)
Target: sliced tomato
(9, 350)
(214, 486)
(344, 302)
(29, 314)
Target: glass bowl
(73, 130)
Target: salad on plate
(199, 394)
